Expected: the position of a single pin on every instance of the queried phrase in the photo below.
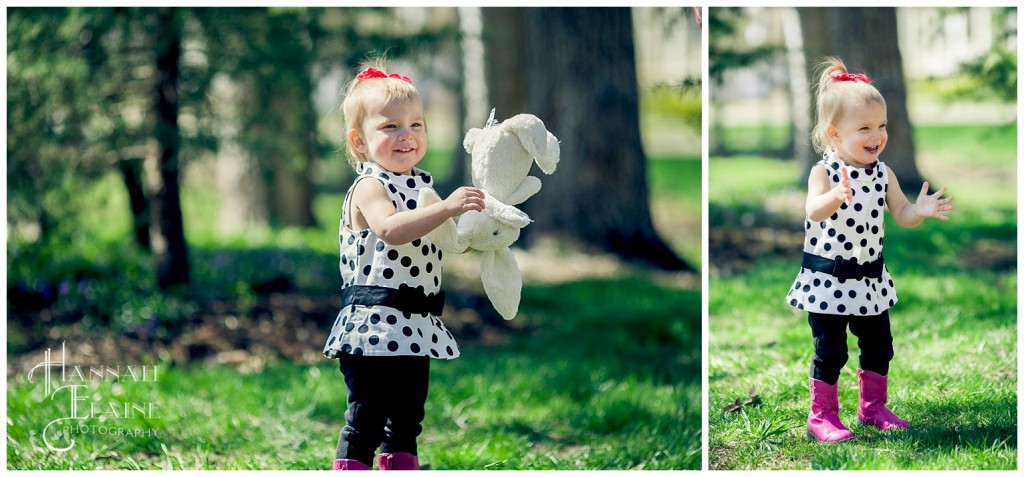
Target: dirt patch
(280, 326)
(733, 250)
(986, 254)
(294, 327)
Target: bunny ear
(536, 140)
(549, 161)
(470, 139)
(502, 281)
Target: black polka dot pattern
(854, 233)
(367, 260)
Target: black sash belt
(404, 298)
(841, 268)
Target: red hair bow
(851, 77)
(371, 72)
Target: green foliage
(47, 99)
(77, 106)
(79, 83)
(682, 102)
(726, 50)
(995, 73)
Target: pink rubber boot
(873, 396)
(398, 461)
(823, 422)
(349, 464)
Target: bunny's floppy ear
(470, 139)
(536, 140)
(502, 281)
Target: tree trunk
(817, 44)
(291, 157)
(172, 256)
(472, 86)
(877, 53)
(581, 77)
(716, 141)
(506, 65)
(238, 176)
(287, 91)
(799, 92)
(131, 174)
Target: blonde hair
(832, 95)
(364, 97)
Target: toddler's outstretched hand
(845, 194)
(932, 205)
(463, 200)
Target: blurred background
(949, 77)
(174, 183)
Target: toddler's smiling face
(396, 136)
(859, 136)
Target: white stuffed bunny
(501, 158)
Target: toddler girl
(843, 280)
(390, 325)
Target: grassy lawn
(954, 373)
(675, 185)
(578, 384)
(578, 388)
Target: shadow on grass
(630, 326)
(948, 426)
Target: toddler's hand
(932, 205)
(843, 191)
(463, 200)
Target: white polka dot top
(380, 330)
(856, 234)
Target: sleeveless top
(855, 233)
(367, 260)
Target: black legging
(830, 352)
(386, 395)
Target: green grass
(579, 388)
(750, 138)
(675, 187)
(954, 373)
